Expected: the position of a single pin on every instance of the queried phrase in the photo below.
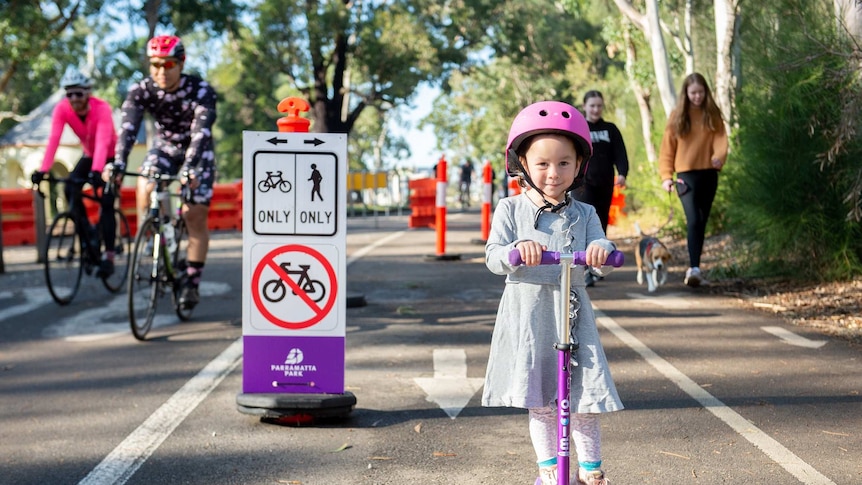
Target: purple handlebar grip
(615, 259)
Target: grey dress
(522, 366)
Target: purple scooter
(564, 347)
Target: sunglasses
(76, 94)
(167, 65)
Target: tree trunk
(642, 96)
(849, 14)
(663, 76)
(726, 80)
(650, 25)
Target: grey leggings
(585, 430)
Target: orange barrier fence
(423, 196)
(19, 221)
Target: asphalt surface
(714, 394)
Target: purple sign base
(298, 365)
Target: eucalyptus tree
(37, 41)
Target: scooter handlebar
(615, 259)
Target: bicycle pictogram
(273, 180)
(275, 290)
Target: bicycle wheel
(122, 249)
(63, 265)
(145, 278)
(181, 261)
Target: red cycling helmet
(166, 46)
(548, 117)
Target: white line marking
(793, 339)
(129, 455)
(669, 300)
(804, 472)
(33, 298)
(367, 249)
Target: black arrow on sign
(276, 141)
(314, 142)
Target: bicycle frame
(164, 272)
(161, 208)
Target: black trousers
(697, 194)
(598, 197)
(77, 179)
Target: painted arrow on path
(450, 388)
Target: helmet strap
(552, 207)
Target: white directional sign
(295, 188)
(294, 233)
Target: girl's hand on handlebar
(597, 256)
(531, 252)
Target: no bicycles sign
(294, 287)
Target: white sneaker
(548, 475)
(592, 478)
(693, 277)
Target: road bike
(275, 290)
(273, 180)
(73, 245)
(158, 262)
(566, 347)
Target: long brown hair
(711, 113)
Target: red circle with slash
(318, 311)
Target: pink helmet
(547, 117)
(166, 46)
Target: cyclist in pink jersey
(91, 120)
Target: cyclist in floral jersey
(183, 107)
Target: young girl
(695, 147)
(548, 143)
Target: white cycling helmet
(74, 78)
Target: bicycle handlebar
(615, 259)
(108, 188)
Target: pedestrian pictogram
(294, 287)
(316, 178)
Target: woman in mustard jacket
(694, 147)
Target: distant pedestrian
(465, 180)
(695, 147)
(609, 152)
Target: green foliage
(36, 46)
(787, 207)
(530, 46)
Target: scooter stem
(564, 351)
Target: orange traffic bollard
(293, 123)
(441, 206)
(486, 203)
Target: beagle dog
(652, 258)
